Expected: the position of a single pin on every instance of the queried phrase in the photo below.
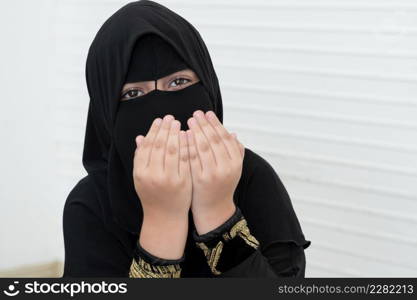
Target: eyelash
(125, 94)
(180, 78)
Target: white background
(324, 90)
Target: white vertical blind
(325, 91)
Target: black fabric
(153, 58)
(255, 266)
(135, 117)
(234, 251)
(93, 248)
(102, 214)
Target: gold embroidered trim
(212, 255)
(241, 230)
(143, 269)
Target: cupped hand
(216, 159)
(163, 183)
(161, 169)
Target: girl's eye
(133, 93)
(178, 82)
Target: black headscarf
(260, 193)
(153, 58)
(107, 66)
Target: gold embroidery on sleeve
(241, 230)
(142, 269)
(212, 255)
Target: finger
(146, 143)
(139, 140)
(138, 160)
(239, 144)
(172, 149)
(227, 138)
(184, 163)
(217, 146)
(201, 144)
(195, 162)
(158, 147)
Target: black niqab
(152, 59)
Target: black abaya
(102, 214)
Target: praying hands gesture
(175, 171)
(216, 158)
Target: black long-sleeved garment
(95, 249)
(103, 214)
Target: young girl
(169, 191)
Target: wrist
(164, 237)
(146, 265)
(211, 217)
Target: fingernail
(198, 114)
(138, 139)
(175, 124)
(158, 121)
(168, 118)
(211, 114)
(191, 121)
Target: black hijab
(260, 193)
(107, 66)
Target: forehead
(153, 58)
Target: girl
(169, 191)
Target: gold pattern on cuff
(143, 269)
(240, 229)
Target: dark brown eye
(178, 82)
(133, 93)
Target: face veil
(111, 124)
(152, 59)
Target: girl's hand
(163, 183)
(216, 159)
